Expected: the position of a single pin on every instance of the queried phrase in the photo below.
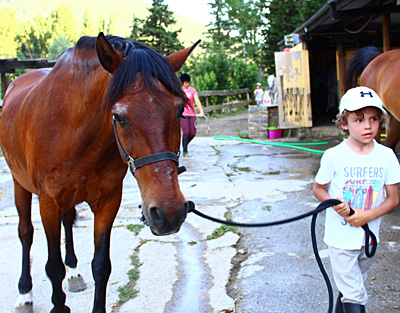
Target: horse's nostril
(157, 216)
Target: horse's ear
(108, 56)
(177, 59)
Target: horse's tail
(359, 62)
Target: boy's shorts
(350, 270)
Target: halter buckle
(131, 163)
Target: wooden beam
(386, 32)
(5, 81)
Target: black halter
(155, 157)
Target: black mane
(138, 58)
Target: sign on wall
(294, 93)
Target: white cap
(258, 84)
(358, 98)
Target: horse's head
(146, 102)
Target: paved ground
(262, 270)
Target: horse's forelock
(141, 59)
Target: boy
(357, 172)
(258, 94)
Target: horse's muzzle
(161, 225)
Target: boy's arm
(362, 217)
(320, 192)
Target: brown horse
(63, 132)
(379, 72)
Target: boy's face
(363, 125)
(258, 86)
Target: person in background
(189, 114)
(266, 98)
(363, 175)
(258, 94)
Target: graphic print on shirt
(361, 193)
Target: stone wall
(260, 118)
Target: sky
(197, 10)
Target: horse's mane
(359, 62)
(138, 58)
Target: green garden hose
(279, 144)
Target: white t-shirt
(266, 99)
(360, 180)
(258, 93)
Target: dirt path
(227, 126)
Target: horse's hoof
(76, 284)
(26, 308)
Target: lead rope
(369, 235)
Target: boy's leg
(348, 275)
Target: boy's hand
(358, 219)
(343, 209)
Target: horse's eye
(119, 120)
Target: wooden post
(386, 31)
(5, 80)
(341, 70)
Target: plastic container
(274, 131)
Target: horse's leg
(76, 282)
(23, 202)
(55, 270)
(392, 132)
(101, 263)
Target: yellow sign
(294, 93)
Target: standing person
(266, 98)
(358, 172)
(189, 114)
(258, 94)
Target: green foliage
(57, 46)
(222, 230)
(126, 293)
(155, 32)
(88, 25)
(244, 74)
(64, 24)
(135, 261)
(135, 228)
(133, 274)
(9, 28)
(35, 37)
(284, 17)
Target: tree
(284, 17)
(155, 33)
(64, 23)
(57, 46)
(9, 28)
(107, 27)
(88, 27)
(219, 31)
(35, 37)
(137, 25)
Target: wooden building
(318, 51)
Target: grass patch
(217, 152)
(126, 293)
(135, 228)
(135, 261)
(222, 230)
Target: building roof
(345, 18)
